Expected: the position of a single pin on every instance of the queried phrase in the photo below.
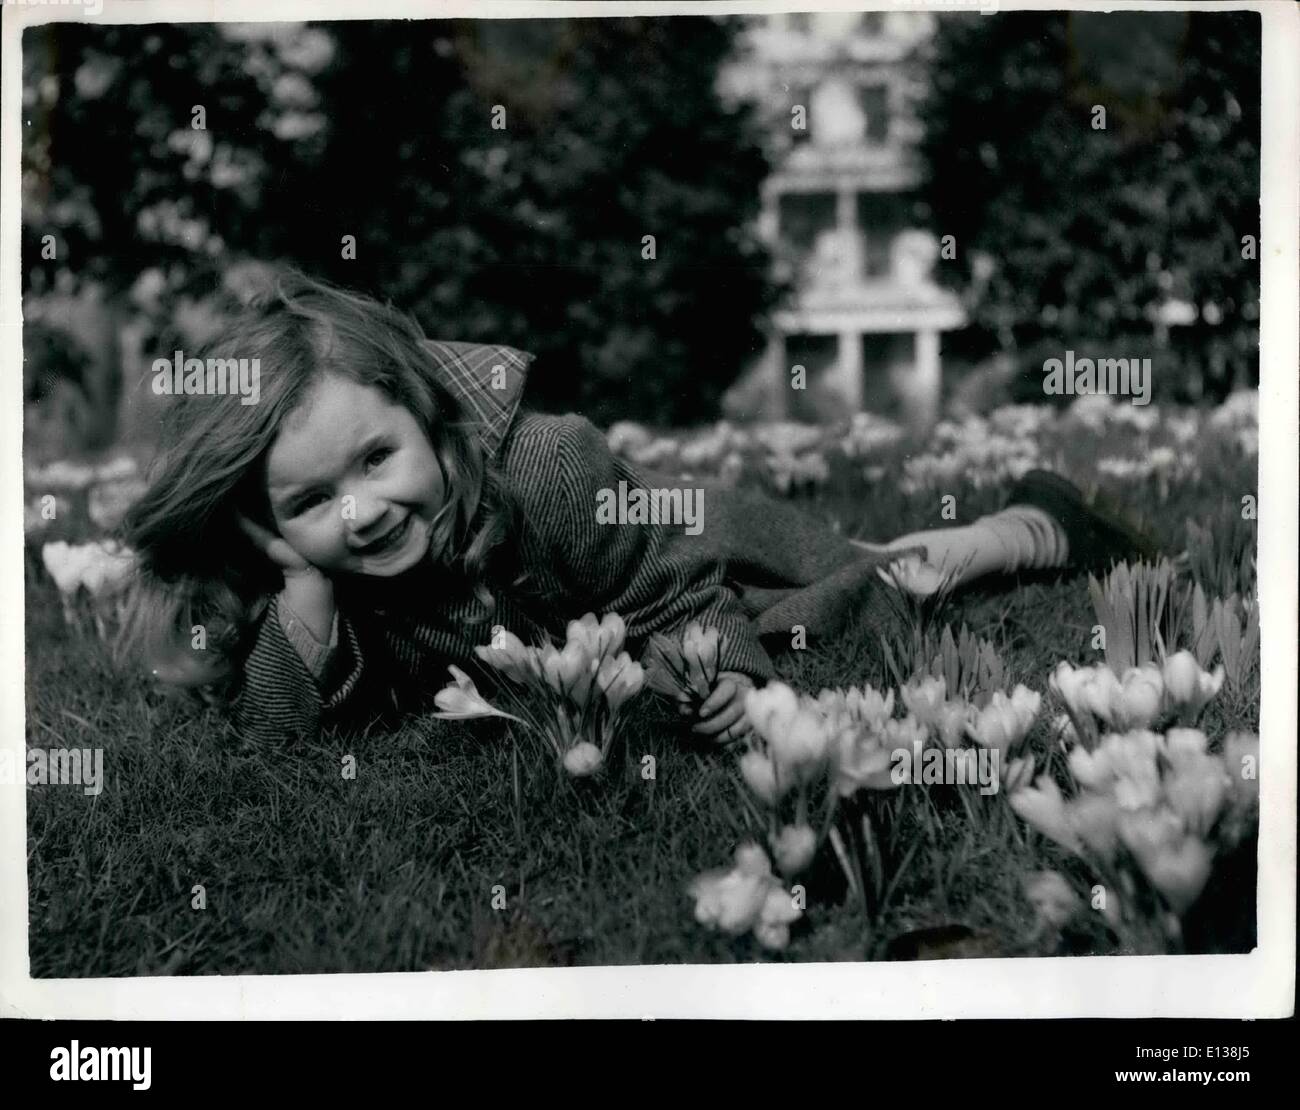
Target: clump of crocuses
(572, 696)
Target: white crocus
(508, 654)
(1043, 807)
(107, 568)
(1102, 693)
(1094, 819)
(1132, 758)
(1176, 863)
(793, 848)
(1137, 704)
(925, 697)
(461, 700)
(779, 912)
(583, 759)
(620, 678)
(65, 564)
(1004, 722)
(862, 760)
(796, 736)
(1187, 686)
(746, 897)
(913, 575)
(759, 774)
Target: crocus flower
(106, 568)
(102, 567)
(585, 633)
(571, 671)
(1068, 683)
(1177, 864)
(612, 632)
(913, 575)
(772, 930)
(462, 701)
(1187, 687)
(862, 760)
(950, 723)
(1102, 692)
(771, 708)
(1132, 758)
(64, 563)
(924, 697)
(1043, 807)
(620, 678)
(926, 700)
(1003, 723)
(1137, 704)
(864, 706)
(759, 774)
(583, 759)
(700, 649)
(1091, 769)
(793, 848)
(802, 746)
(1094, 818)
(508, 655)
(733, 899)
(1197, 783)
(1053, 898)
(796, 736)
(904, 732)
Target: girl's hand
(722, 716)
(276, 548)
(309, 593)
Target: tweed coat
(756, 568)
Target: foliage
(1088, 231)
(530, 235)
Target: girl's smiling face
(353, 481)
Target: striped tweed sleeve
(560, 468)
(279, 698)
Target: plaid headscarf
(487, 379)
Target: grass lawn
(398, 869)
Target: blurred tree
(529, 233)
(1087, 234)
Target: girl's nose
(363, 513)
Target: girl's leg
(1020, 537)
(1047, 524)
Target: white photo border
(1258, 985)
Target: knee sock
(1017, 538)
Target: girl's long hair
(197, 566)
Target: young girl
(323, 554)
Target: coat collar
(488, 381)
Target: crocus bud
(583, 759)
(793, 848)
(1180, 673)
(760, 776)
(611, 635)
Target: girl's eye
(308, 502)
(377, 456)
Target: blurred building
(866, 319)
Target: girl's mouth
(391, 539)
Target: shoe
(1099, 536)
